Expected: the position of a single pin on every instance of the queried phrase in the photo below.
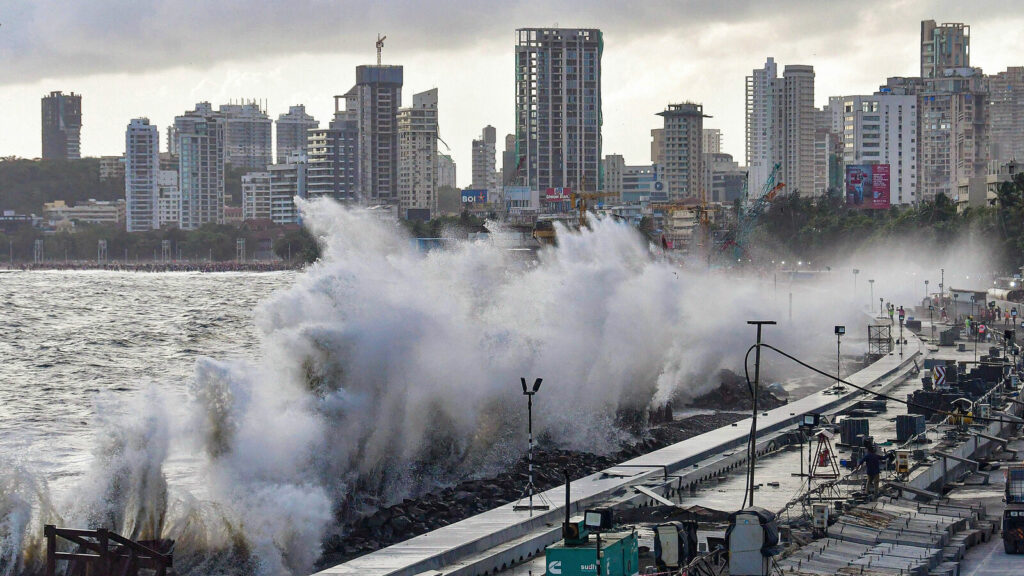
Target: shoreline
(156, 267)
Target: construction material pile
(894, 536)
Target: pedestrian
(873, 464)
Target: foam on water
(386, 372)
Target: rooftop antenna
(380, 46)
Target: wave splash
(385, 373)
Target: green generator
(578, 556)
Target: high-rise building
(508, 161)
(724, 178)
(614, 167)
(953, 132)
(247, 142)
(287, 181)
(762, 145)
(712, 141)
(292, 132)
(168, 198)
(256, 196)
(558, 107)
(657, 145)
(199, 136)
(683, 153)
(375, 100)
(1006, 115)
(333, 159)
(62, 126)
(780, 127)
(484, 175)
(795, 124)
(445, 171)
(881, 129)
(142, 167)
(944, 46)
(417, 157)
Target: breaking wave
(386, 372)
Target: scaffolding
(101, 252)
(879, 341)
(240, 249)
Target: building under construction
(558, 107)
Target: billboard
(474, 196)
(557, 194)
(867, 186)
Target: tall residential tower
(62, 126)
(293, 132)
(141, 173)
(558, 107)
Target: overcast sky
(133, 58)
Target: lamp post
(752, 447)
(855, 272)
(931, 308)
(840, 330)
(881, 307)
(529, 418)
(942, 286)
(925, 289)
(956, 307)
(902, 313)
(871, 282)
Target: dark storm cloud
(51, 38)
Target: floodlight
(840, 330)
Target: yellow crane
(583, 198)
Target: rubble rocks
(411, 518)
(734, 394)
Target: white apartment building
(484, 163)
(417, 154)
(168, 198)
(256, 196)
(780, 127)
(142, 164)
(445, 171)
(712, 141)
(881, 129)
(287, 181)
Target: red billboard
(867, 186)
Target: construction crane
(746, 220)
(580, 200)
(380, 46)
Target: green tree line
(815, 228)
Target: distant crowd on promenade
(173, 266)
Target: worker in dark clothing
(873, 463)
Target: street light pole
(840, 330)
(529, 418)
(925, 289)
(871, 282)
(752, 455)
(855, 272)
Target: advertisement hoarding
(867, 186)
(557, 194)
(474, 196)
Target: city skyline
(705, 62)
